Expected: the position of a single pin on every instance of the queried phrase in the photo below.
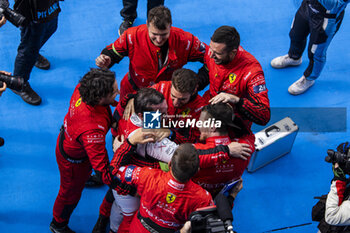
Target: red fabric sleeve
(256, 107)
(94, 145)
(197, 49)
(212, 156)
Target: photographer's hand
(186, 228)
(3, 88)
(339, 174)
(2, 21)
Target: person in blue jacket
(321, 19)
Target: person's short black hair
(95, 85)
(185, 162)
(222, 112)
(160, 17)
(343, 147)
(185, 80)
(145, 98)
(227, 35)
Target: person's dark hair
(222, 112)
(145, 98)
(95, 85)
(160, 17)
(185, 81)
(343, 147)
(185, 162)
(227, 35)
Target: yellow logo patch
(232, 77)
(186, 112)
(78, 102)
(170, 198)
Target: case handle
(270, 129)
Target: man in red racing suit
(184, 104)
(155, 50)
(167, 199)
(81, 143)
(235, 77)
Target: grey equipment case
(272, 143)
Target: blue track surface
(276, 196)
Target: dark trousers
(33, 37)
(129, 8)
(321, 30)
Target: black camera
(14, 82)
(14, 17)
(207, 220)
(337, 157)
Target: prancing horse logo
(170, 198)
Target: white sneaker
(284, 61)
(300, 86)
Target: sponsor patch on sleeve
(259, 88)
(128, 173)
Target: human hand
(186, 228)
(118, 141)
(160, 134)
(2, 21)
(224, 98)
(339, 174)
(142, 136)
(103, 61)
(129, 109)
(239, 150)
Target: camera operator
(37, 20)
(338, 204)
(338, 207)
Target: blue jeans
(33, 37)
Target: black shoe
(2, 141)
(101, 224)
(42, 63)
(29, 95)
(94, 181)
(125, 25)
(64, 229)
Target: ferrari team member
(81, 142)
(183, 103)
(213, 176)
(167, 199)
(147, 99)
(235, 77)
(155, 50)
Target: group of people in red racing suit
(152, 166)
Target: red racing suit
(165, 203)
(191, 110)
(221, 169)
(146, 66)
(80, 146)
(242, 77)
